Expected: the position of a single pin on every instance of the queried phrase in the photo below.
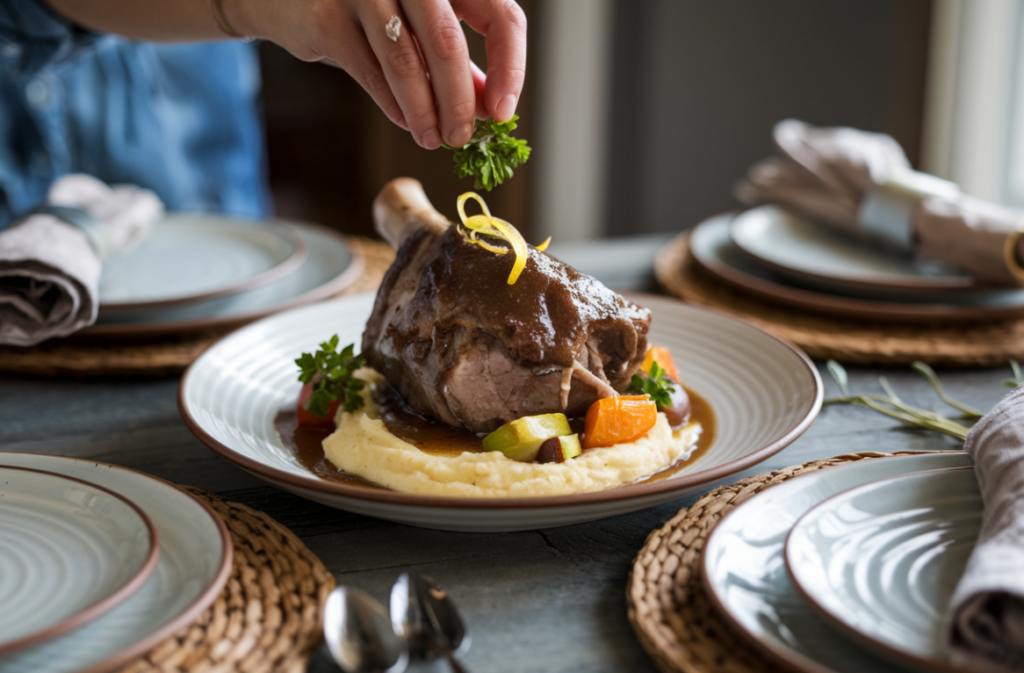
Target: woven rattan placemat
(268, 617)
(667, 604)
(984, 343)
(158, 358)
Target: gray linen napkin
(986, 621)
(861, 183)
(50, 269)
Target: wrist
(234, 19)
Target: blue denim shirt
(181, 120)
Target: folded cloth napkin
(50, 261)
(862, 183)
(986, 621)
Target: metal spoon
(359, 634)
(426, 618)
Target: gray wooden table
(550, 600)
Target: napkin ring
(1013, 263)
(886, 212)
(95, 229)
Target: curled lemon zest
(488, 225)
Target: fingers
(403, 70)
(503, 24)
(423, 80)
(479, 83)
(444, 49)
(361, 63)
(331, 33)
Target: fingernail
(507, 107)
(432, 139)
(461, 135)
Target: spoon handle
(456, 666)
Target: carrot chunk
(615, 420)
(663, 357)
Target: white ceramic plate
(194, 563)
(813, 252)
(764, 394)
(70, 551)
(745, 573)
(712, 248)
(881, 560)
(330, 265)
(187, 258)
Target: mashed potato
(363, 446)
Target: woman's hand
(423, 80)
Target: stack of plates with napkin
(905, 563)
(108, 261)
(842, 225)
(99, 563)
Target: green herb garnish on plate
(657, 384)
(491, 154)
(330, 373)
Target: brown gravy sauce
(306, 443)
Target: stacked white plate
(99, 563)
(788, 259)
(849, 569)
(196, 272)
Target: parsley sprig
(330, 372)
(657, 384)
(491, 154)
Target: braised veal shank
(464, 347)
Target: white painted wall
(973, 80)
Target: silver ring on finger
(393, 29)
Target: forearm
(155, 20)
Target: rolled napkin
(986, 623)
(862, 184)
(50, 260)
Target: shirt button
(38, 93)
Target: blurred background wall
(697, 87)
(641, 113)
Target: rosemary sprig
(1017, 379)
(892, 406)
(929, 373)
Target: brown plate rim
(377, 494)
(230, 322)
(190, 613)
(279, 270)
(864, 639)
(106, 603)
(790, 661)
(965, 284)
(848, 307)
